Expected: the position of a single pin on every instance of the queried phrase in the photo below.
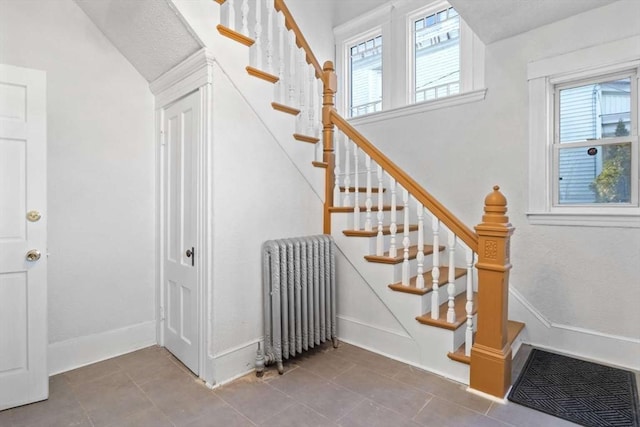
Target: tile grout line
(149, 399)
(234, 408)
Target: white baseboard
(584, 343)
(76, 352)
(235, 362)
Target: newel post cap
(329, 78)
(495, 207)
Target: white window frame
(346, 60)
(545, 76)
(394, 20)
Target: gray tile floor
(346, 386)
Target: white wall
(258, 195)
(584, 277)
(100, 180)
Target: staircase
(445, 284)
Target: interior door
(23, 237)
(181, 125)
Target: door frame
(195, 74)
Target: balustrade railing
(279, 49)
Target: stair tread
(234, 35)
(363, 209)
(460, 302)
(513, 330)
(306, 138)
(428, 281)
(361, 189)
(285, 108)
(320, 165)
(386, 230)
(255, 72)
(413, 251)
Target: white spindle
(347, 172)
(380, 235)
(244, 11)
(420, 255)
(356, 189)
(393, 228)
(311, 109)
(405, 241)
(368, 202)
(336, 171)
(231, 14)
(292, 69)
(451, 287)
(282, 37)
(435, 272)
(301, 86)
(270, 22)
(469, 306)
(256, 48)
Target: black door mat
(582, 392)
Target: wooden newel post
(330, 86)
(491, 352)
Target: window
(593, 143)
(436, 50)
(365, 76)
(430, 57)
(583, 137)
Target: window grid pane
(365, 65)
(437, 55)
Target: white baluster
(356, 189)
(301, 77)
(435, 272)
(405, 241)
(469, 306)
(281, 85)
(244, 10)
(347, 172)
(380, 235)
(270, 22)
(256, 49)
(231, 14)
(292, 69)
(420, 255)
(336, 172)
(368, 202)
(311, 112)
(393, 228)
(451, 287)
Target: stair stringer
(233, 58)
(432, 343)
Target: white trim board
(571, 340)
(77, 352)
(235, 362)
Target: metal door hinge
(162, 316)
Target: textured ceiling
(494, 20)
(491, 20)
(149, 33)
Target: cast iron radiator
(299, 284)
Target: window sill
(436, 104)
(585, 220)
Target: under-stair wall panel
(258, 195)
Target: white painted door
(181, 130)
(23, 230)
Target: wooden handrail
(300, 40)
(415, 189)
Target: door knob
(191, 253)
(33, 255)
